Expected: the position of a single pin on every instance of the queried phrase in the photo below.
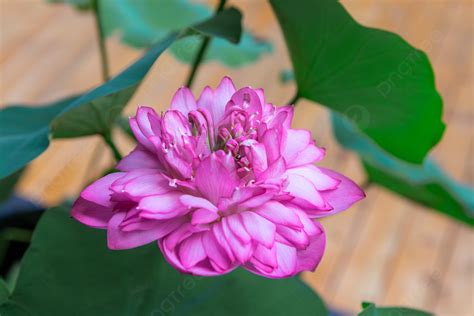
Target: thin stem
(101, 41)
(295, 99)
(202, 51)
(108, 140)
(197, 61)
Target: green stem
(101, 41)
(295, 99)
(202, 51)
(108, 140)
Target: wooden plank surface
(386, 249)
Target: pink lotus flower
(220, 182)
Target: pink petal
(177, 166)
(173, 239)
(346, 194)
(118, 238)
(287, 261)
(261, 230)
(275, 170)
(142, 126)
(218, 234)
(279, 214)
(222, 95)
(208, 102)
(236, 226)
(176, 125)
(215, 101)
(226, 159)
(213, 180)
(119, 184)
(147, 120)
(305, 193)
(318, 178)
(243, 194)
(151, 184)
(203, 216)
(249, 99)
(261, 95)
(200, 269)
(139, 158)
(99, 191)
(288, 111)
(192, 251)
(216, 253)
(271, 140)
(197, 202)
(309, 258)
(296, 238)
(266, 256)
(258, 158)
(163, 227)
(298, 148)
(163, 206)
(256, 201)
(183, 101)
(242, 251)
(91, 214)
(202, 121)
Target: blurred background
(386, 249)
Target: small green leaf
(24, 133)
(345, 66)
(80, 276)
(226, 25)
(369, 309)
(426, 184)
(141, 23)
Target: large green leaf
(68, 270)
(225, 24)
(369, 309)
(348, 67)
(4, 292)
(141, 23)
(24, 131)
(426, 184)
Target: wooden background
(386, 249)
